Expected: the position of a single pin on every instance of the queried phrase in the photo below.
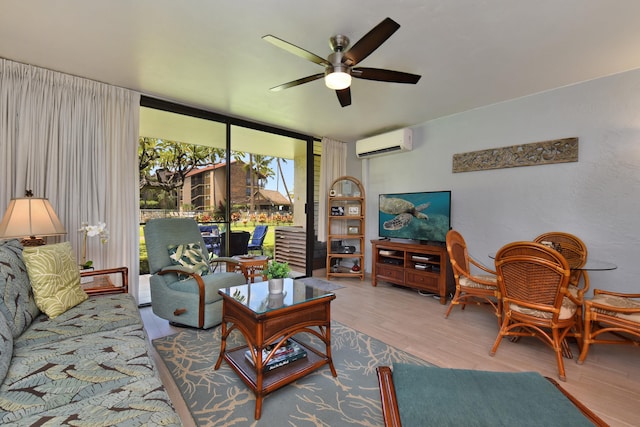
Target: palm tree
(280, 171)
(258, 166)
(262, 168)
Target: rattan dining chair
(575, 252)
(533, 281)
(611, 318)
(471, 288)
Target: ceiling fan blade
(298, 51)
(384, 75)
(344, 96)
(371, 41)
(297, 82)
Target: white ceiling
(209, 53)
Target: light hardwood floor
(608, 382)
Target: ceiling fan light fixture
(339, 65)
(337, 77)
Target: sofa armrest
(390, 411)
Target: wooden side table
(101, 283)
(253, 267)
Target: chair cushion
(142, 402)
(98, 314)
(6, 347)
(16, 296)
(618, 302)
(53, 374)
(567, 310)
(574, 291)
(470, 283)
(55, 278)
(189, 255)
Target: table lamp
(30, 216)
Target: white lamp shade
(337, 80)
(30, 216)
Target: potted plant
(87, 230)
(276, 272)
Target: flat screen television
(423, 216)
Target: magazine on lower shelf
(287, 353)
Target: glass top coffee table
(268, 322)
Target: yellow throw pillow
(55, 277)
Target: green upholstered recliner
(178, 294)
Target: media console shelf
(418, 266)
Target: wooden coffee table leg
(223, 345)
(259, 380)
(258, 412)
(327, 342)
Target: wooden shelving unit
(414, 265)
(346, 221)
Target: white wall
(596, 198)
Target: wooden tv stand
(414, 265)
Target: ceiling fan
(339, 67)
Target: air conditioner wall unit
(386, 143)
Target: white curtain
(75, 142)
(333, 165)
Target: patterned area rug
(325, 285)
(220, 398)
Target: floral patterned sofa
(88, 365)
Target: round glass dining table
(590, 265)
(597, 265)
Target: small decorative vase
(276, 286)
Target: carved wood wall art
(536, 153)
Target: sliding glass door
(269, 189)
(229, 175)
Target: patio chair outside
(211, 237)
(238, 243)
(257, 239)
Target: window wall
(254, 174)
